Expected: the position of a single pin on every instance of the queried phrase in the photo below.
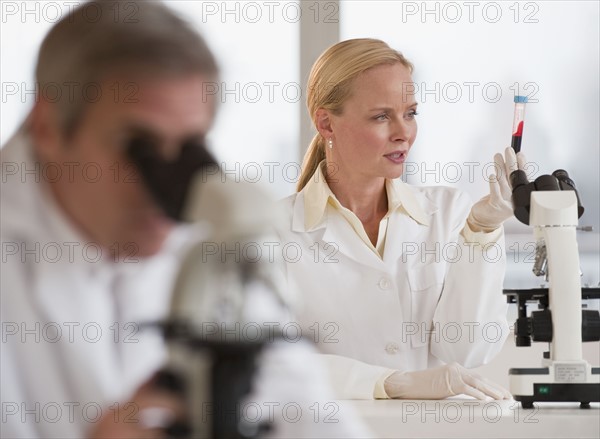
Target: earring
(330, 144)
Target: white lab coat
(74, 361)
(371, 315)
(57, 385)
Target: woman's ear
(323, 123)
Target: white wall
(257, 48)
(553, 47)
(550, 46)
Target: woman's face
(377, 126)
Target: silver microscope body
(222, 287)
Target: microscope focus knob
(541, 325)
(590, 325)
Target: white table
(469, 418)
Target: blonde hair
(330, 84)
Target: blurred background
(470, 59)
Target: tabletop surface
(469, 418)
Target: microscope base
(529, 385)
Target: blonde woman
(402, 285)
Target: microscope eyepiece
(169, 180)
(521, 193)
(518, 178)
(563, 177)
(567, 184)
(546, 183)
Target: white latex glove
(492, 210)
(442, 382)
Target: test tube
(520, 102)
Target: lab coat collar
(48, 219)
(100, 270)
(310, 209)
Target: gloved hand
(442, 382)
(492, 210)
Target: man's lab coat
(434, 297)
(72, 347)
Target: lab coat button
(392, 348)
(384, 284)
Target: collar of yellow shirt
(317, 195)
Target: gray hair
(105, 38)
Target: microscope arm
(554, 216)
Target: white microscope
(551, 205)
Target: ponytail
(315, 154)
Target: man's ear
(46, 131)
(323, 123)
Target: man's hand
(148, 413)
